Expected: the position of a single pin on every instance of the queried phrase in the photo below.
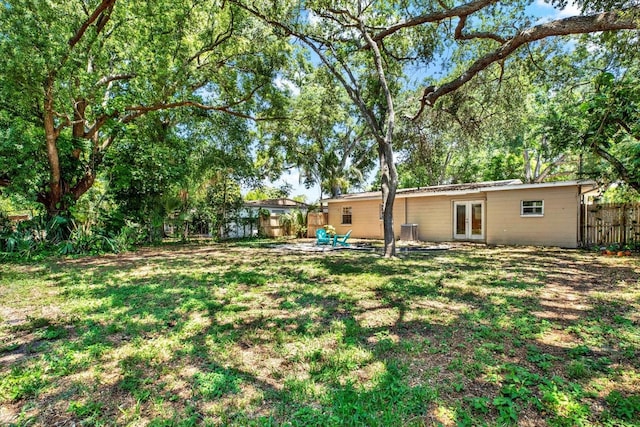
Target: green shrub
(21, 383)
(624, 407)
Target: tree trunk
(389, 180)
(59, 196)
(527, 166)
(335, 190)
(388, 171)
(53, 197)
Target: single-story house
(497, 212)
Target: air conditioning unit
(409, 232)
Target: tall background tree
(323, 137)
(597, 117)
(167, 164)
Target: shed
(270, 225)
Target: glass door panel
(461, 219)
(476, 219)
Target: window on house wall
(532, 208)
(346, 215)
(381, 212)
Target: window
(381, 212)
(532, 208)
(346, 215)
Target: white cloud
(286, 84)
(313, 18)
(546, 12)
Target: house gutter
(581, 205)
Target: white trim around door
(468, 220)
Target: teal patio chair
(341, 239)
(323, 237)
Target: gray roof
(453, 189)
(460, 187)
(276, 203)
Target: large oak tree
(77, 74)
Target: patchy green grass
(246, 334)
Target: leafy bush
(129, 236)
(5, 222)
(86, 240)
(65, 237)
(294, 223)
(18, 243)
(33, 236)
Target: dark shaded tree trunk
(389, 180)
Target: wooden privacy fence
(316, 220)
(610, 223)
(271, 226)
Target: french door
(468, 220)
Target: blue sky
(547, 12)
(540, 9)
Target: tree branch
(394, 56)
(377, 57)
(108, 79)
(547, 170)
(618, 166)
(220, 38)
(478, 35)
(100, 121)
(135, 111)
(462, 10)
(607, 21)
(627, 129)
(97, 15)
(84, 184)
(139, 110)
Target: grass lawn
(244, 334)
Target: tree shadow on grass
(311, 351)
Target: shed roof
(276, 203)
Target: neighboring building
(275, 206)
(497, 212)
(250, 220)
